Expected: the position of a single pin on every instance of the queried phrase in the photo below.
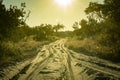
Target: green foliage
(58, 27)
(102, 19)
(109, 10)
(10, 19)
(76, 28)
(19, 41)
(64, 34)
(102, 26)
(42, 32)
(89, 28)
(76, 25)
(14, 30)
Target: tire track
(56, 62)
(68, 59)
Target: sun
(63, 3)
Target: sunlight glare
(63, 3)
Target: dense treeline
(102, 25)
(46, 31)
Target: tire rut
(56, 62)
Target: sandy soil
(56, 62)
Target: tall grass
(93, 48)
(11, 52)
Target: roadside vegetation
(11, 52)
(99, 33)
(96, 35)
(19, 41)
(92, 48)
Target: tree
(10, 19)
(109, 10)
(58, 27)
(76, 26)
(43, 32)
(109, 13)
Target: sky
(52, 12)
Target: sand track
(56, 62)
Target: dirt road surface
(56, 62)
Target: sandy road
(56, 62)
(51, 63)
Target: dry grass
(93, 48)
(12, 52)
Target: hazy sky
(48, 11)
